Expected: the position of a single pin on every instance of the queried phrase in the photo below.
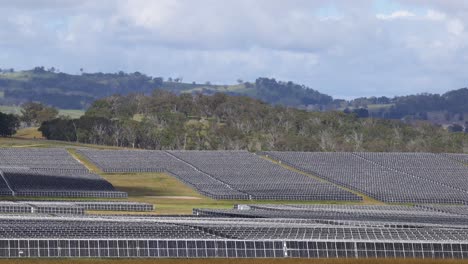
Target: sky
(343, 48)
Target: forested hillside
(164, 120)
(68, 91)
(447, 108)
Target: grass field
(30, 137)
(231, 261)
(64, 112)
(29, 133)
(238, 88)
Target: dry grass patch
(29, 133)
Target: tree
(9, 123)
(36, 113)
(455, 128)
(165, 120)
(59, 129)
(158, 81)
(361, 112)
(39, 69)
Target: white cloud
(455, 27)
(435, 15)
(347, 50)
(396, 15)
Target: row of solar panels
(71, 207)
(227, 249)
(236, 175)
(389, 177)
(199, 237)
(51, 172)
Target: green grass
(42, 143)
(10, 109)
(64, 112)
(239, 88)
(71, 113)
(138, 117)
(379, 106)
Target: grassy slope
(232, 261)
(29, 133)
(17, 111)
(30, 137)
(239, 88)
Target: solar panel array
(452, 209)
(261, 179)
(397, 215)
(39, 158)
(463, 158)
(71, 207)
(222, 174)
(113, 161)
(427, 166)
(201, 237)
(14, 207)
(116, 206)
(49, 173)
(389, 177)
(55, 208)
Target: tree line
(164, 120)
(452, 103)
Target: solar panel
(389, 177)
(195, 237)
(222, 174)
(49, 173)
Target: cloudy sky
(343, 48)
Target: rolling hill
(78, 92)
(67, 91)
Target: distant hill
(67, 91)
(448, 108)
